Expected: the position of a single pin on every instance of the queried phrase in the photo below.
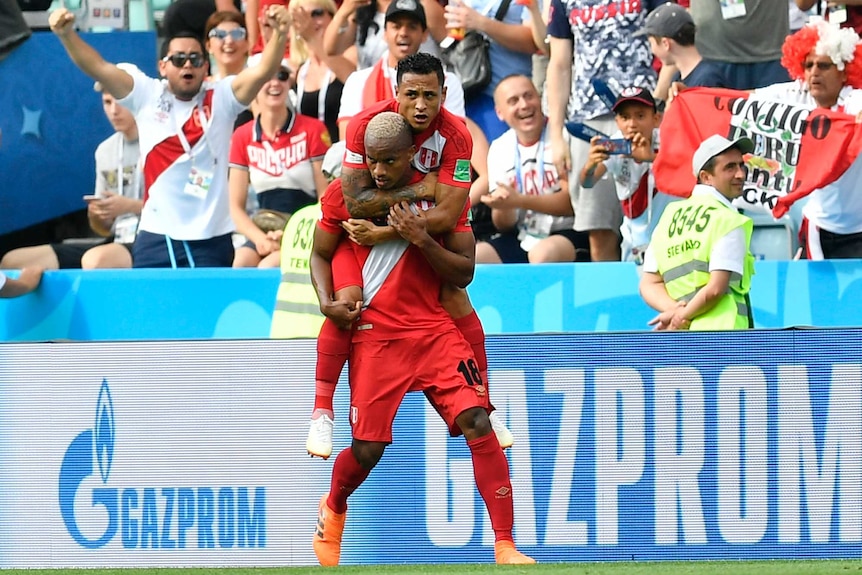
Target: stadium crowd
(585, 61)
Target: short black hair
(709, 167)
(685, 34)
(420, 63)
(166, 45)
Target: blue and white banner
(628, 446)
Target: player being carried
(403, 344)
(443, 147)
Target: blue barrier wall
(200, 304)
(51, 122)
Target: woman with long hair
(280, 154)
(319, 77)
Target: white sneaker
(504, 436)
(319, 442)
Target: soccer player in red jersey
(443, 149)
(395, 331)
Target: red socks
(347, 476)
(333, 348)
(491, 470)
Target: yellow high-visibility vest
(297, 311)
(682, 243)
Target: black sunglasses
(822, 66)
(236, 34)
(283, 75)
(317, 13)
(180, 58)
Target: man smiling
(184, 126)
(698, 266)
(825, 62)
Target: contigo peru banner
(796, 149)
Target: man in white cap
(698, 267)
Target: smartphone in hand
(616, 146)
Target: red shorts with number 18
(383, 371)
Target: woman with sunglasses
(280, 154)
(226, 43)
(320, 77)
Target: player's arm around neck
(248, 83)
(114, 80)
(365, 201)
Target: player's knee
(368, 453)
(474, 423)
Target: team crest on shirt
(428, 155)
(428, 158)
(164, 107)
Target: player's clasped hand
(409, 222)
(362, 232)
(342, 312)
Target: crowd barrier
(512, 298)
(628, 447)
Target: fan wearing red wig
(825, 62)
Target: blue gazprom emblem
(91, 444)
(104, 431)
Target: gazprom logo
(149, 517)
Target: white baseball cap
(715, 145)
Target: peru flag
(796, 149)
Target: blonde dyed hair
(299, 52)
(389, 128)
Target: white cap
(715, 145)
(331, 166)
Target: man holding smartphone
(628, 156)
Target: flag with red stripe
(168, 151)
(797, 149)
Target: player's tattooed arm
(364, 200)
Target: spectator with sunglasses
(226, 43)
(825, 62)
(280, 154)
(320, 77)
(184, 128)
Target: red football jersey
(445, 145)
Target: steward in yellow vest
(297, 311)
(698, 268)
